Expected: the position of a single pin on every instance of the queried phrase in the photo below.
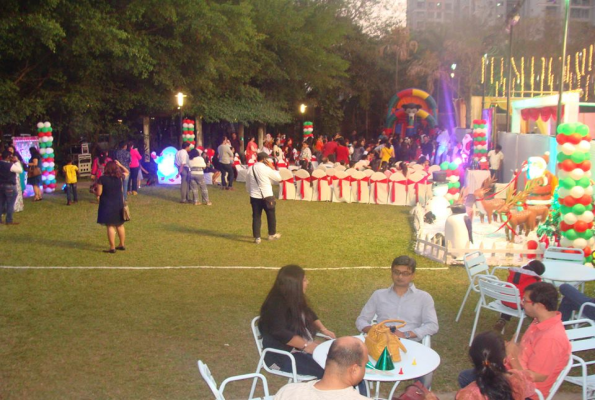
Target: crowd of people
(500, 370)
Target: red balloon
(568, 165)
(579, 226)
(453, 190)
(564, 226)
(568, 201)
(561, 139)
(590, 225)
(587, 251)
(574, 138)
(531, 245)
(585, 165)
(585, 200)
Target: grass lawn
(137, 334)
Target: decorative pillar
(46, 140)
(480, 139)
(188, 132)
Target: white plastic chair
(303, 185)
(320, 186)
(475, 265)
(582, 338)
(287, 185)
(293, 375)
(564, 254)
(490, 287)
(218, 391)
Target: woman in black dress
(111, 204)
(35, 181)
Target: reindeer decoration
(487, 206)
(524, 219)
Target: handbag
(33, 171)
(417, 391)
(380, 336)
(269, 202)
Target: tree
(399, 44)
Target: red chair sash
(341, 180)
(325, 179)
(376, 182)
(303, 180)
(404, 183)
(284, 182)
(359, 186)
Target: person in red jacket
(330, 150)
(342, 152)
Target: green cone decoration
(385, 362)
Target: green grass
(136, 334)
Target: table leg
(377, 395)
(392, 392)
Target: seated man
(345, 368)
(544, 349)
(402, 300)
(572, 301)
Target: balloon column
(480, 139)
(308, 130)
(188, 132)
(48, 174)
(575, 192)
(452, 177)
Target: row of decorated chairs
(353, 186)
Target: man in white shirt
(182, 163)
(496, 158)
(345, 368)
(259, 181)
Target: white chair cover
(360, 188)
(368, 172)
(350, 171)
(303, 185)
(330, 172)
(321, 190)
(287, 185)
(419, 187)
(340, 167)
(361, 165)
(398, 193)
(341, 187)
(379, 188)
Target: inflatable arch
(418, 100)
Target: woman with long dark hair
(111, 204)
(493, 381)
(288, 323)
(33, 179)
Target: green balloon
(561, 157)
(578, 209)
(565, 129)
(589, 258)
(451, 201)
(568, 183)
(583, 182)
(450, 185)
(589, 207)
(444, 165)
(570, 234)
(565, 209)
(582, 130)
(453, 166)
(577, 157)
(456, 184)
(588, 234)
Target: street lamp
(303, 108)
(562, 64)
(180, 98)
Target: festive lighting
(522, 76)
(584, 56)
(532, 74)
(497, 87)
(483, 70)
(504, 87)
(570, 81)
(587, 88)
(542, 74)
(568, 68)
(590, 57)
(578, 71)
(550, 79)
(492, 71)
(516, 71)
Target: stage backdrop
(517, 148)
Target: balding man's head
(347, 356)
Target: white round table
(425, 359)
(566, 271)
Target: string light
(590, 57)
(550, 79)
(584, 59)
(516, 71)
(501, 68)
(541, 83)
(522, 76)
(497, 88)
(570, 81)
(532, 75)
(578, 70)
(568, 68)
(504, 87)
(587, 88)
(492, 71)
(483, 69)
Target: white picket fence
(450, 255)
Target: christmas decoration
(308, 130)
(452, 176)
(46, 140)
(575, 193)
(550, 228)
(480, 139)
(188, 132)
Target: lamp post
(562, 64)
(180, 98)
(303, 109)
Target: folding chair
(292, 376)
(557, 383)
(564, 254)
(218, 392)
(582, 338)
(475, 265)
(490, 287)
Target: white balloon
(44, 164)
(448, 196)
(191, 126)
(49, 150)
(570, 218)
(565, 242)
(52, 165)
(40, 124)
(579, 243)
(41, 151)
(568, 148)
(185, 125)
(584, 146)
(43, 177)
(577, 174)
(47, 124)
(591, 242)
(589, 191)
(587, 216)
(577, 192)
